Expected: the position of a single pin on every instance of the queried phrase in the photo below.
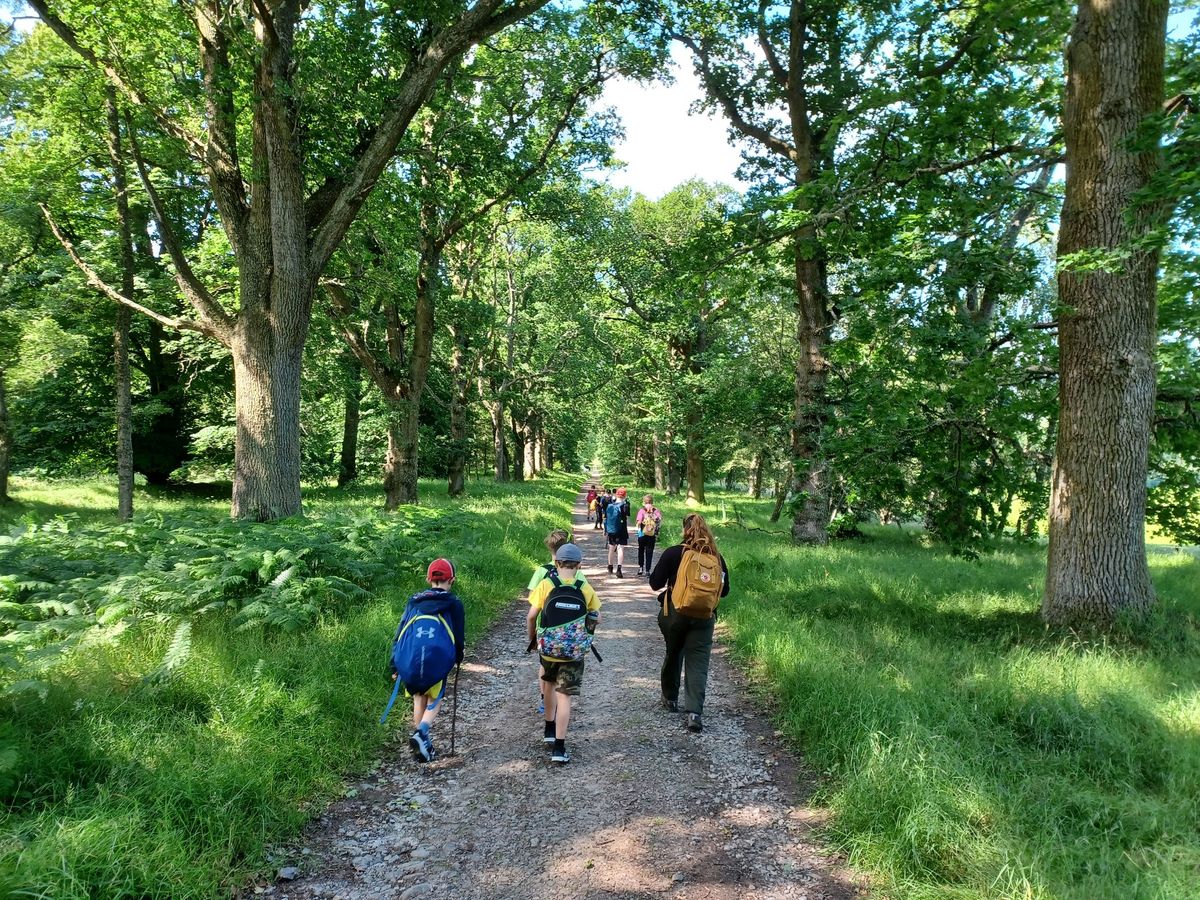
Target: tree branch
(768, 49)
(736, 119)
(107, 290)
(168, 124)
(193, 289)
(479, 22)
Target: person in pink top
(649, 521)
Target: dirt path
(644, 809)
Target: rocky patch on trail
(645, 808)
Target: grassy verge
(151, 761)
(969, 752)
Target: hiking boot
(619, 575)
(610, 570)
(560, 755)
(670, 705)
(548, 737)
(694, 723)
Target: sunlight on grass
(969, 751)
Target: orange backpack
(698, 585)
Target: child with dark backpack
(563, 614)
(429, 643)
(553, 541)
(616, 529)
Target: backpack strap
(391, 702)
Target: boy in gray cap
(563, 612)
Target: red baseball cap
(440, 570)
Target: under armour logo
(424, 632)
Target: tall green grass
(121, 779)
(967, 751)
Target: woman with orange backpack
(693, 578)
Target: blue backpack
(423, 654)
(612, 516)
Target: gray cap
(569, 553)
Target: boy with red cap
(438, 602)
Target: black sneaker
(619, 575)
(670, 705)
(639, 573)
(560, 756)
(610, 570)
(548, 737)
(694, 723)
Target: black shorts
(621, 537)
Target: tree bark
(520, 451)
(124, 391)
(348, 460)
(266, 378)
(1097, 566)
(756, 475)
(660, 471)
(5, 441)
(695, 464)
(460, 386)
(499, 445)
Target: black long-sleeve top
(667, 569)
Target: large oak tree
(291, 111)
(1107, 290)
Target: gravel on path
(644, 808)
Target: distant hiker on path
(563, 614)
(649, 521)
(429, 643)
(602, 501)
(592, 494)
(696, 578)
(616, 527)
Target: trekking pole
(454, 709)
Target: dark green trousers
(689, 645)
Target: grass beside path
(968, 752)
(214, 701)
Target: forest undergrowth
(966, 750)
(180, 692)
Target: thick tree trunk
(348, 460)
(809, 478)
(400, 467)
(266, 378)
(660, 470)
(539, 452)
(124, 412)
(549, 455)
(5, 441)
(460, 386)
(531, 451)
(124, 390)
(499, 445)
(756, 476)
(519, 453)
(1097, 555)
(695, 466)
